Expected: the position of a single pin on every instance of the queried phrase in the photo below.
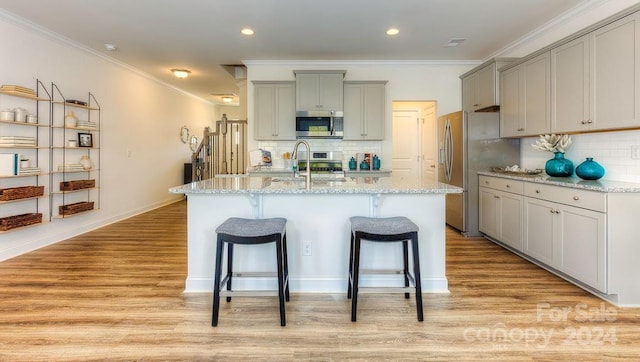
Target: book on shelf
(9, 164)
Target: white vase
(86, 163)
(70, 120)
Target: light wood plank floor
(116, 294)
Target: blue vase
(590, 170)
(559, 166)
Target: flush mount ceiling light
(181, 73)
(247, 31)
(110, 47)
(454, 42)
(392, 31)
(227, 99)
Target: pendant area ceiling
(155, 36)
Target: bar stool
(391, 229)
(251, 232)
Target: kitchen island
(317, 227)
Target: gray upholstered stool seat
(250, 232)
(390, 229)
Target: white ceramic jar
(7, 115)
(70, 120)
(32, 118)
(20, 114)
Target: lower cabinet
(501, 212)
(562, 228)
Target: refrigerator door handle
(448, 150)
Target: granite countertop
(601, 185)
(243, 184)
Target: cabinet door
(536, 88)
(510, 222)
(307, 92)
(539, 230)
(615, 74)
(489, 204)
(330, 92)
(570, 86)
(470, 92)
(581, 236)
(511, 103)
(374, 111)
(285, 112)
(353, 111)
(265, 111)
(487, 86)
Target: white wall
(141, 117)
(407, 81)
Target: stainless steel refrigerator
(469, 142)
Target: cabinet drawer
(585, 199)
(501, 184)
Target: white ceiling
(157, 35)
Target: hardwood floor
(116, 294)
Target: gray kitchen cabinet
(364, 110)
(570, 95)
(319, 91)
(500, 216)
(480, 85)
(275, 110)
(615, 74)
(565, 229)
(594, 79)
(525, 98)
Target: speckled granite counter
(573, 182)
(319, 216)
(319, 185)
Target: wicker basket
(75, 208)
(22, 192)
(77, 185)
(16, 221)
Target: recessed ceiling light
(181, 73)
(110, 47)
(393, 31)
(454, 42)
(247, 31)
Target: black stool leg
(216, 283)
(416, 274)
(356, 276)
(286, 267)
(350, 275)
(281, 287)
(405, 260)
(229, 267)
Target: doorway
(415, 139)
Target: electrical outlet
(635, 152)
(307, 248)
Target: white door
(429, 143)
(406, 150)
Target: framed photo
(85, 140)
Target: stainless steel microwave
(319, 124)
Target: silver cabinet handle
(496, 196)
(576, 198)
(520, 129)
(508, 186)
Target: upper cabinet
(524, 105)
(319, 90)
(595, 79)
(364, 110)
(480, 90)
(275, 110)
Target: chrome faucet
(294, 155)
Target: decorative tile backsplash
(612, 150)
(348, 149)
